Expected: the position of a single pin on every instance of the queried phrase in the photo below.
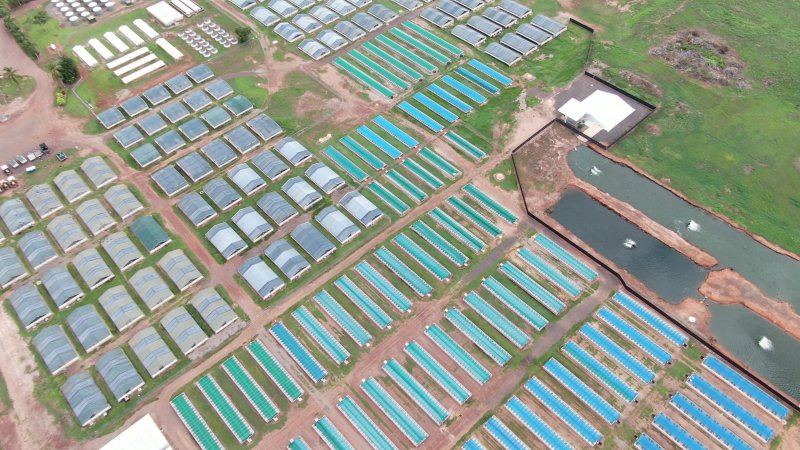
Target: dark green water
(666, 271)
(673, 276)
(775, 274)
(738, 329)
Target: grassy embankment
(731, 150)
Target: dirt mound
(703, 56)
(641, 83)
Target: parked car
(13, 163)
(30, 169)
(6, 170)
(21, 159)
(44, 148)
(31, 156)
(61, 156)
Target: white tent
(115, 41)
(142, 72)
(165, 13)
(133, 65)
(85, 56)
(145, 28)
(169, 48)
(144, 434)
(122, 60)
(98, 46)
(601, 109)
(131, 35)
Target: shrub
(243, 34)
(40, 17)
(67, 70)
(22, 39)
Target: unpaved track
(502, 384)
(39, 121)
(36, 120)
(161, 409)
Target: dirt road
(39, 121)
(35, 120)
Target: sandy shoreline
(727, 287)
(763, 241)
(648, 225)
(544, 176)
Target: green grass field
(99, 87)
(11, 91)
(731, 150)
(283, 105)
(503, 176)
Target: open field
(707, 141)
(11, 91)
(99, 87)
(729, 149)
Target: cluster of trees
(13, 4)
(10, 74)
(16, 32)
(65, 70)
(243, 34)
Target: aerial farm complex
(388, 224)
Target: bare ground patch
(542, 166)
(311, 104)
(642, 83)
(703, 56)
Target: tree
(10, 73)
(40, 17)
(243, 34)
(65, 70)
(16, 32)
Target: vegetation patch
(14, 87)
(703, 56)
(503, 176)
(495, 120)
(254, 88)
(290, 108)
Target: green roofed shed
(150, 233)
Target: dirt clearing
(703, 56)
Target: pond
(669, 273)
(777, 275)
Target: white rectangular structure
(165, 13)
(101, 49)
(127, 58)
(85, 56)
(602, 109)
(131, 35)
(143, 71)
(185, 10)
(145, 28)
(150, 57)
(116, 42)
(192, 6)
(169, 48)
